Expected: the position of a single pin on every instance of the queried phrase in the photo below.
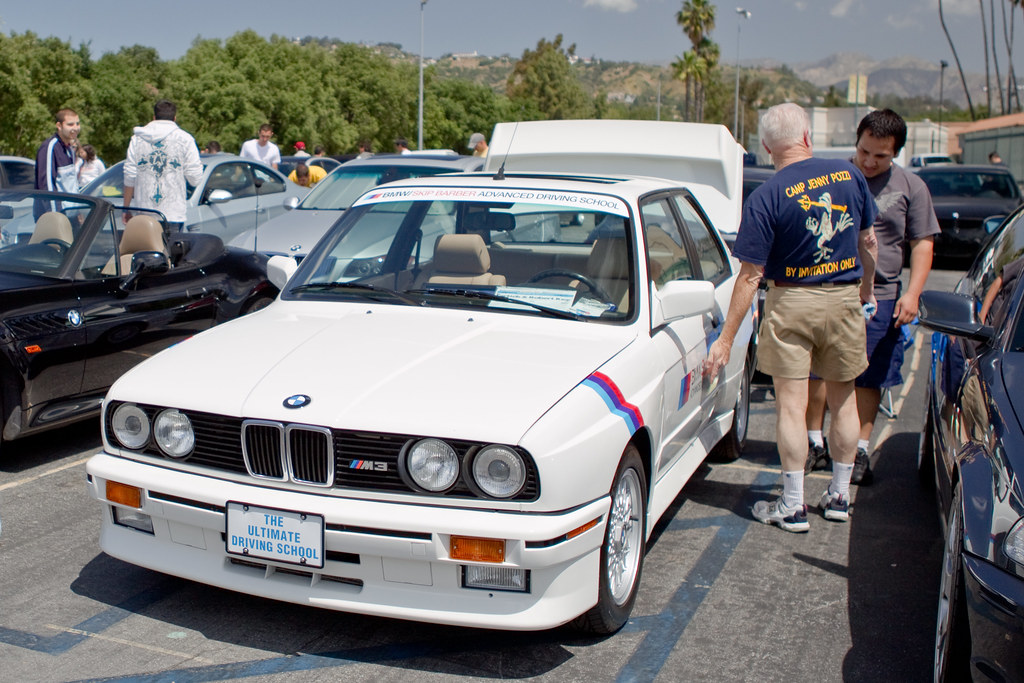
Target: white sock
(793, 489)
(841, 474)
(863, 444)
(815, 436)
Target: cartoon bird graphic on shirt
(824, 229)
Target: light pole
(419, 116)
(743, 14)
(942, 79)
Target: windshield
(37, 232)
(569, 254)
(991, 185)
(339, 189)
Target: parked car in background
(227, 200)
(295, 233)
(86, 297)
(964, 196)
(972, 452)
(921, 160)
(289, 163)
(484, 430)
(17, 173)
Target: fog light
(496, 578)
(133, 519)
(477, 549)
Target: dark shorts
(885, 349)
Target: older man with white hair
(807, 231)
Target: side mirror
(280, 269)
(290, 203)
(681, 299)
(953, 314)
(145, 263)
(992, 223)
(218, 197)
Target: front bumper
(995, 605)
(382, 558)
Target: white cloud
(842, 8)
(956, 7)
(616, 5)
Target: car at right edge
(972, 451)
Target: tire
(731, 446)
(952, 632)
(622, 553)
(256, 304)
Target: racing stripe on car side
(610, 394)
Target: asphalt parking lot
(723, 598)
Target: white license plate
(279, 535)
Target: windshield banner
(572, 201)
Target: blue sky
(791, 31)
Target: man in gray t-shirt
(905, 214)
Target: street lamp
(743, 14)
(942, 79)
(419, 117)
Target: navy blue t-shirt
(803, 225)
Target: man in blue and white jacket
(55, 159)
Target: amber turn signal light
(122, 494)
(478, 549)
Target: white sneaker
(776, 512)
(835, 506)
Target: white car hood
(398, 369)
(293, 233)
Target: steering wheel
(61, 246)
(595, 288)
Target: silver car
(295, 233)
(234, 195)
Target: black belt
(782, 283)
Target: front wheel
(952, 633)
(622, 554)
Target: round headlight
(432, 465)
(173, 433)
(499, 471)
(130, 425)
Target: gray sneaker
(834, 507)
(776, 512)
(862, 474)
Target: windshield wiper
(369, 290)
(491, 296)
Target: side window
(712, 261)
(234, 178)
(271, 183)
(20, 174)
(666, 253)
(101, 254)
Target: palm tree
(697, 19)
(956, 58)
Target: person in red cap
(300, 149)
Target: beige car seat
(142, 233)
(52, 226)
(463, 260)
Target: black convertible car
(90, 291)
(972, 447)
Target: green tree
(37, 78)
(125, 85)
(543, 86)
(697, 19)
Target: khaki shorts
(813, 329)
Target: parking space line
(129, 643)
(53, 470)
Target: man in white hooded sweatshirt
(161, 157)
